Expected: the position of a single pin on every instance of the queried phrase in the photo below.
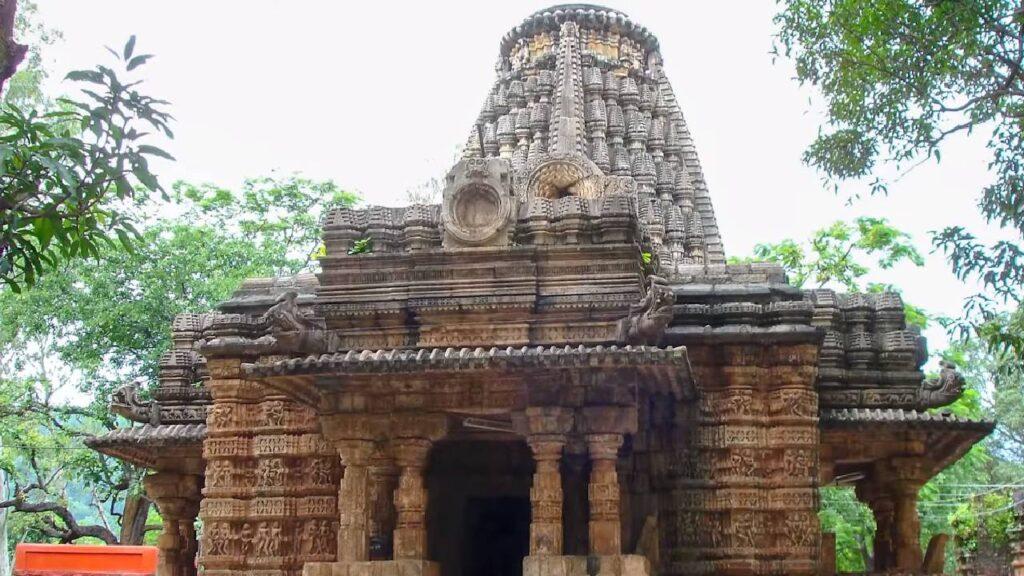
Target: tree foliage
(70, 179)
(842, 255)
(82, 329)
(899, 78)
(839, 255)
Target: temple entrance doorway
(498, 536)
(478, 513)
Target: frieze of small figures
(729, 436)
(780, 436)
(231, 447)
(732, 498)
(792, 499)
(213, 509)
(573, 332)
(272, 507)
(277, 444)
(317, 506)
(796, 402)
(468, 335)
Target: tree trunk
(5, 563)
(11, 53)
(133, 522)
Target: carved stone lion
(943, 390)
(126, 402)
(290, 329)
(649, 317)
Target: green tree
(67, 342)
(70, 179)
(899, 78)
(839, 255)
(842, 255)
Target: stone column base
(373, 568)
(617, 565)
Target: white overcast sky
(378, 95)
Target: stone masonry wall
(270, 501)
(742, 482)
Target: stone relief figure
(649, 317)
(273, 413)
(322, 542)
(221, 416)
(942, 390)
(246, 535)
(319, 472)
(271, 472)
(290, 329)
(261, 540)
(219, 472)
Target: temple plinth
(551, 372)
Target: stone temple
(553, 372)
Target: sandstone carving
(944, 389)
(648, 318)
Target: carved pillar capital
(177, 497)
(604, 446)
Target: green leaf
(138, 61)
(361, 246)
(85, 76)
(44, 231)
(141, 171)
(129, 47)
(154, 151)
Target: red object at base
(69, 559)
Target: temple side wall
(270, 500)
(741, 493)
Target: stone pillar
(354, 501)
(891, 493)
(177, 497)
(383, 483)
(603, 493)
(908, 526)
(410, 537)
(546, 531)
(883, 509)
(546, 430)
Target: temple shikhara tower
(553, 372)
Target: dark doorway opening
(478, 515)
(498, 536)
